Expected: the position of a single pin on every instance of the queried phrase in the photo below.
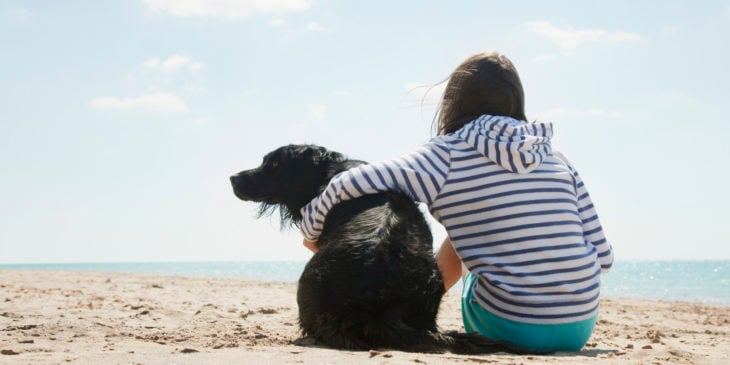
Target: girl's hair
(486, 83)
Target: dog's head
(288, 178)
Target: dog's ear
(335, 156)
(304, 152)
(318, 154)
(310, 153)
(324, 155)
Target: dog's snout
(242, 186)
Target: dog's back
(373, 277)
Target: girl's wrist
(311, 245)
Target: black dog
(374, 282)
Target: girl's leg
(538, 337)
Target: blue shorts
(539, 337)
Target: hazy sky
(121, 121)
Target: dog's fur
(374, 282)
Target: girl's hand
(311, 245)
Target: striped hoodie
(517, 213)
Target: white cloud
(173, 63)
(569, 38)
(277, 22)
(160, 102)
(563, 112)
(315, 27)
(316, 112)
(227, 9)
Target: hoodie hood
(515, 145)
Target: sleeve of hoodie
(592, 229)
(420, 174)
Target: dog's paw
(306, 341)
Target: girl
(517, 213)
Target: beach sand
(98, 318)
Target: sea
(706, 282)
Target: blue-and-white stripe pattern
(517, 213)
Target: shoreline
(96, 317)
(695, 281)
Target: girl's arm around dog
(420, 174)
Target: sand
(99, 318)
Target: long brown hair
(486, 83)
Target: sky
(121, 121)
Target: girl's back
(523, 235)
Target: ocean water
(693, 281)
(249, 270)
